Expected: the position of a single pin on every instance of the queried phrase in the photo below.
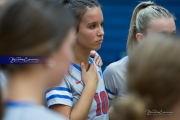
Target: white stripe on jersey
(111, 96)
(58, 92)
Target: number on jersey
(102, 103)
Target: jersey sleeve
(115, 83)
(60, 95)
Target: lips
(100, 41)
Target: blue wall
(117, 16)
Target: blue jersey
(27, 111)
(69, 92)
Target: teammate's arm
(81, 109)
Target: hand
(89, 77)
(96, 57)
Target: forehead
(166, 25)
(93, 14)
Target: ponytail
(131, 107)
(141, 18)
(133, 30)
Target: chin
(97, 47)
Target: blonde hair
(153, 78)
(141, 17)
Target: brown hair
(153, 78)
(141, 17)
(32, 28)
(79, 7)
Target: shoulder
(116, 67)
(32, 113)
(45, 113)
(97, 67)
(52, 115)
(2, 78)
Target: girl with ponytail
(147, 18)
(82, 95)
(153, 81)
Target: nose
(100, 31)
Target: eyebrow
(94, 23)
(167, 32)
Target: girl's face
(162, 25)
(61, 60)
(159, 25)
(90, 34)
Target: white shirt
(28, 111)
(115, 78)
(69, 92)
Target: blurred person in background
(2, 2)
(34, 28)
(153, 81)
(147, 18)
(2, 82)
(80, 97)
(1, 104)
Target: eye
(92, 26)
(102, 24)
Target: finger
(96, 58)
(94, 68)
(83, 68)
(100, 63)
(91, 67)
(92, 54)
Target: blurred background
(117, 16)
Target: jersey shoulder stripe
(111, 95)
(59, 89)
(59, 96)
(78, 67)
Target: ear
(50, 62)
(139, 37)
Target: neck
(26, 87)
(81, 55)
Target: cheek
(66, 57)
(62, 66)
(86, 36)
